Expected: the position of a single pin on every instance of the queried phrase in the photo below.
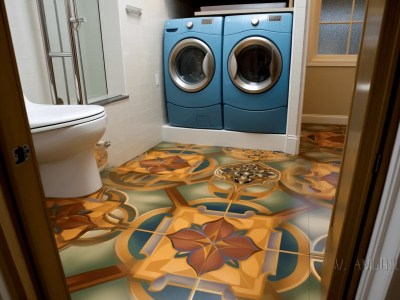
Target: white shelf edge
(243, 11)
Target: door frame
(25, 230)
(373, 123)
(29, 262)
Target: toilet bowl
(64, 137)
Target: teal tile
(206, 296)
(288, 241)
(136, 242)
(223, 159)
(241, 208)
(222, 195)
(247, 198)
(152, 223)
(113, 290)
(209, 150)
(287, 263)
(215, 206)
(85, 258)
(320, 245)
(280, 201)
(281, 165)
(195, 191)
(148, 201)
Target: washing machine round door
(191, 65)
(255, 65)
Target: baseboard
(325, 119)
(225, 138)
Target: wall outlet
(157, 79)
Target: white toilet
(64, 137)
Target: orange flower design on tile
(71, 216)
(158, 169)
(100, 215)
(211, 246)
(158, 165)
(162, 163)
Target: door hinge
(21, 154)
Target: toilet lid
(47, 117)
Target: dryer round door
(191, 65)
(255, 65)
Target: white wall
(25, 31)
(134, 125)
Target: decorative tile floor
(197, 222)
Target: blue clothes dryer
(192, 72)
(256, 65)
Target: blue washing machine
(192, 72)
(256, 65)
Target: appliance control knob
(255, 22)
(189, 25)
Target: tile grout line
(193, 291)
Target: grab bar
(60, 54)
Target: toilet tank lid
(43, 115)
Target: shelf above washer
(243, 11)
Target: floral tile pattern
(212, 245)
(198, 222)
(156, 170)
(98, 217)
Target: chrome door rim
(208, 65)
(275, 67)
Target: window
(335, 31)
